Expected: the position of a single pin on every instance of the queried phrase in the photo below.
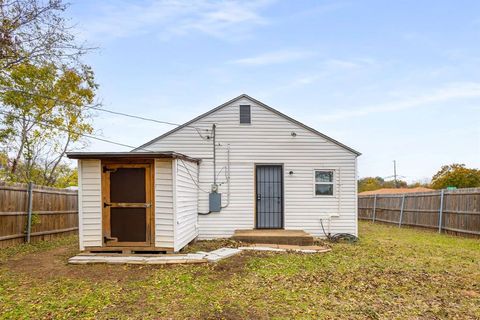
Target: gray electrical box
(215, 201)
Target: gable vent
(245, 114)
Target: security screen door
(127, 204)
(269, 195)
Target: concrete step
(276, 236)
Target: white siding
(164, 219)
(90, 203)
(186, 202)
(268, 140)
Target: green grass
(389, 273)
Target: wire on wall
(191, 177)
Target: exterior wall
(90, 203)
(185, 202)
(164, 219)
(267, 139)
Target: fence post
(29, 212)
(374, 207)
(440, 211)
(401, 211)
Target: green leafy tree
(67, 177)
(43, 117)
(375, 183)
(425, 183)
(456, 175)
(370, 183)
(44, 89)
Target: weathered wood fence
(452, 211)
(54, 213)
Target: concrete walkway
(199, 257)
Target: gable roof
(258, 103)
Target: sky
(395, 80)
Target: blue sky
(393, 79)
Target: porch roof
(130, 155)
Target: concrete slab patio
(199, 257)
(90, 258)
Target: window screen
(245, 116)
(323, 183)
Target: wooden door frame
(148, 164)
(255, 205)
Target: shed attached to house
(136, 201)
(242, 165)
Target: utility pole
(395, 173)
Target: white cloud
(276, 57)
(348, 64)
(451, 92)
(326, 70)
(167, 18)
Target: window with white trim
(324, 182)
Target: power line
(145, 119)
(95, 107)
(132, 116)
(50, 125)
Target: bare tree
(36, 31)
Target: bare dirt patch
(230, 312)
(53, 264)
(234, 265)
(210, 245)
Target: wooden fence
(54, 213)
(452, 211)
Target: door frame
(259, 164)
(148, 164)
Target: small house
(240, 166)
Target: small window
(245, 116)
(323, 182)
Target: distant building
(395, 191)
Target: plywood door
(127, 204)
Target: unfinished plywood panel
(127, 185)
(127, 203)
(128, 224)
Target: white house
(241, 165)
